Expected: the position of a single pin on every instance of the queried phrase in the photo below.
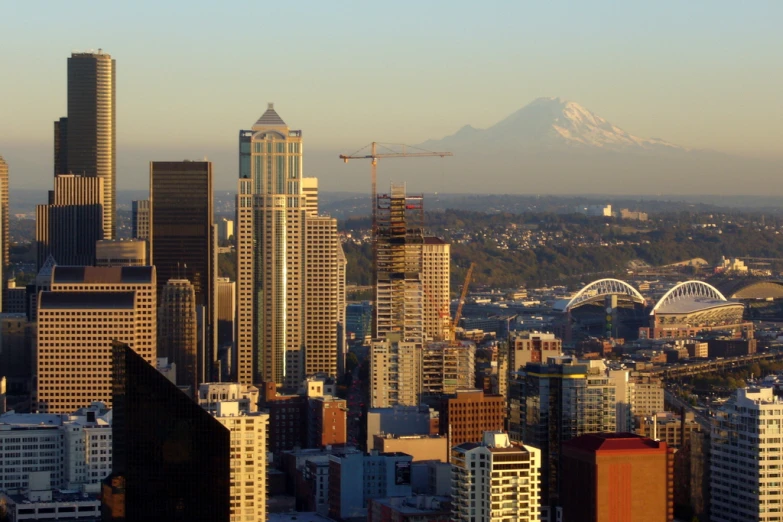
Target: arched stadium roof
(599, 288)
(689, 297)
(751, 288)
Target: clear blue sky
(705, 74)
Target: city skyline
(695, 75)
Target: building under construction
(399, 241)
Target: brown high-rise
(181, 232)
(616, 476)
(85, 140)
(177, 329)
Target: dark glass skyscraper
(171, 459)
(181, 230)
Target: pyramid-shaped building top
(270, 118)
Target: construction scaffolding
(399, 252)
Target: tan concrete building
(86, 309)
(121, 252)
(646, 395)
(321, 303)
(248, 460)
(140, 219)
(668, 427)
(310, 192)
(420, 447)
(446, 368)
(435, 276)
(395, 372)
(139, 279)
(533, 347)
(75, 332)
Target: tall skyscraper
(5, 232)
(277, 247)
(85, 141)
(745, 457)
(321, 279)
(172, 459)
(399, 303)
(181, 233)
(75, 331)
(617, 476)
(69, 227)
(177, 332)
(495, 480)
(436, 267)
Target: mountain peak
(553, 122)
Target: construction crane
(462, 297)
(374, 156)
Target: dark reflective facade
(171, 455)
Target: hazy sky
(705, 74)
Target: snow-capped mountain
(552, 123)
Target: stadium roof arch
(690, 296)
(597, 289)
(751, 288)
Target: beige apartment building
(248, 460)
(395, 372)
(435, 277)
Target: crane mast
(374, 156)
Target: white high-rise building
(745, 462)
(75, 449)
(497, 480)
(248, 460)
(210, 394)
(288, 262)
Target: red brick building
(617, 477)
(327, 422)
(467, 416)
